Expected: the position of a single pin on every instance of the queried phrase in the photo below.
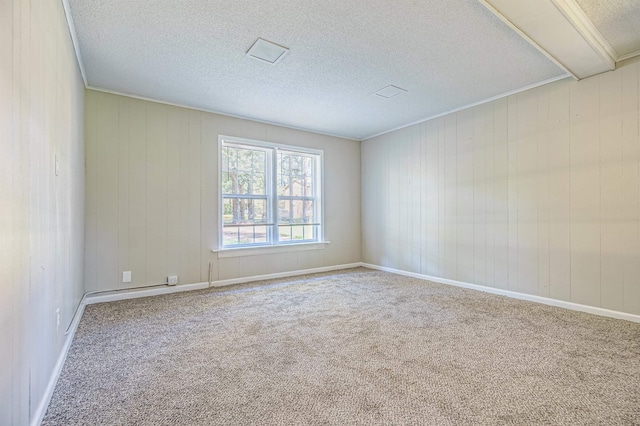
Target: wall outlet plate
(126, 276)
(172, 279)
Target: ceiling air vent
(266, 51)
(389, 92)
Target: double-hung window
(270, 194)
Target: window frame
(271, 192)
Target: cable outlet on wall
(126, 276)
(172, 279)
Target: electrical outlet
(126, 276)
(172, 279)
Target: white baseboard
(40, 412)
(515, 295)
(221, 283)
(134, 293)
(146, 292)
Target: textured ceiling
(617, 20)
(446, 54)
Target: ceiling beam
(561, 31)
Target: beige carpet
(351, 347)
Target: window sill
(260, 250)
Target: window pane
(296, 233)
(246, 235)
(259, 160)
(284, 232)
(283, 185)
(259, 172)
(225, 158)
(284, 210)
(244, 183)
(226, 177)
(230, 235)
(309, 232)
(233, 235)
(244, 210)
(283, 163)
(226, 183)
(258, 184)
(261, 234)
(308, 214)
(243, 171)
(245, 159)
(308, 166)
(296, 165)
(297, 212)
(296, 187)
(233, 158)
(308, 187)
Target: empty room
(319, 212)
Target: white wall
(41, 215)
(536, 193)
(152, 194)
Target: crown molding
(74, 40)
(628, 56)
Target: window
(270, 194)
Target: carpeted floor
(351, 347)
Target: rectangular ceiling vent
(389, 92)
(267, 51)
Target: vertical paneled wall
(536, 193)
(152, 195)
(41, 210)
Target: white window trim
(282, 246)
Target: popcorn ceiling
(617, 20)
(192, 52)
